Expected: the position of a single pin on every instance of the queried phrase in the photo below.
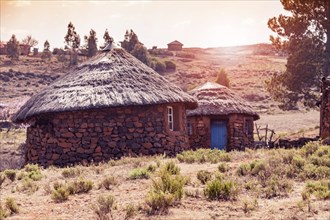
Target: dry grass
(272, 187)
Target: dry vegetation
(202, 184)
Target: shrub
(10, 174)
(151, 168)
(298, 162)
(172, 168)
(160, 66)
(249, 206)
(31, 167)
(130, 210)
(321, 189)
(243, 169)
(60, 194)
(139, 173)
(35, 175)
(159, 201)
(170, 65)
(222, 78)
(107, 182)
(80, 186)
(169, 183)
(204, 176)
(275, 187)
(223, 167)
(257, 167)
(71, 172)
(203, 155)
(104, 207)
(11, 205)
(28, 186)
(3, 213)
(309, 148)
(221, 190)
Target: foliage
(80, 186)
(108, 181)
(91, 43)
(170, 65)
(221, 190)
(130, 211)
(139, 173)
(60, 194)
(29, 40)
(72, 40)
(141, 53)
(160, 66)
(3, 213)
(223, 167)
(71, 172)
(46, 54)
(28, 186)
(203, 156)
(321, 189)
(249, 206)
(10, 174)
(222, 78)
(276, 187)
(11, 205)
(305, 35)
(107, 38)
(204, 176)
(13, 49)
(171, 168)
(103, 208)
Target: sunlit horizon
(202, 24)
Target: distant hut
(222, 120)
(3, 48)
(175, 46)
(325, 109)
(110, 106)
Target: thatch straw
(215, 99)
(113, 78)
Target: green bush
(172, 168)
(10, 174)
(221, 190)
(130, 210)
(60, 194)
(203, 156)
(3, 213)
(204, 176)
(11, 205)
(321, 189)
(35, 175)
(223, 167)
(31, 167)
(28, 186)
(159, 202)
(139, 173)
(276, 187)
(172, 184)
(298, 162)
(80, 186)
(243, 169)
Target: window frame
(170, 118)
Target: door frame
(225, 120)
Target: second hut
(221, 121)
(110, 106)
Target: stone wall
(85, 136)
(237, 138)
(325, 110)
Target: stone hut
(175, 46)
(325, 109)
(222, 120)
(110, 106)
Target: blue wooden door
(218, 135)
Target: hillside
(248, 67)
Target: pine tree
(91, 43)
(72, 39)
(13, 49)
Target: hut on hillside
(222, 120)
(175, 46)
(110, 106)
(325, 109)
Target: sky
(194, 23)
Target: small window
(248, 126)
(170, 117)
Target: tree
(72, 40)
(305, 36)
(46, 52)
(28, 40)
(91, 43)
(222, 78)
(107, 38)
(141, 53)
(13, 49)
(130, 40)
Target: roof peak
(110, 46)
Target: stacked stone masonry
(99, 135)
(237, 137)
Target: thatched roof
(113, 78)
(175, 43)
(215, 99)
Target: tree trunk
(327, 44)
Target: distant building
(325, 109)
(175, 46)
